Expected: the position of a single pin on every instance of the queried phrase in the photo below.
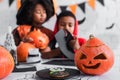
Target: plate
(44, 74)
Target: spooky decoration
(40, 40)
(6, 63)
(94, 57)
(23, 50)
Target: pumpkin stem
(91, 36)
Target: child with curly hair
(31, 15)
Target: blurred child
(31, 15)
(67, 21)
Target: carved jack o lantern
(94, 57)
(40, 40)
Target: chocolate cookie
(58, 73)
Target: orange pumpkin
(94, 57)
(23, 50)
(40, 40)
(6, 63)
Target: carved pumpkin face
(40, 40)
(23, 50)
(6, 63)
(94, 57)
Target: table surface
(112, 74)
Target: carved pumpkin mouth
(92, 67)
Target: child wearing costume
(66, 20)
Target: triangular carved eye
(83, 56)
(100, 56)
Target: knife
(60, 37)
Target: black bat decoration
(110, 27)
(82, 21)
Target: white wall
(97, 20)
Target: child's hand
(47, 49)
(74, 43)
(46, 54)
(27, 40)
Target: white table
(112, 74)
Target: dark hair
(25, 13)
(64, 14)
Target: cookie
(58, 73)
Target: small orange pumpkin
(22, 51)
(23, 30)
(6, 63)
(94, 57)
(40, 40)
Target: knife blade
(60, 37)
